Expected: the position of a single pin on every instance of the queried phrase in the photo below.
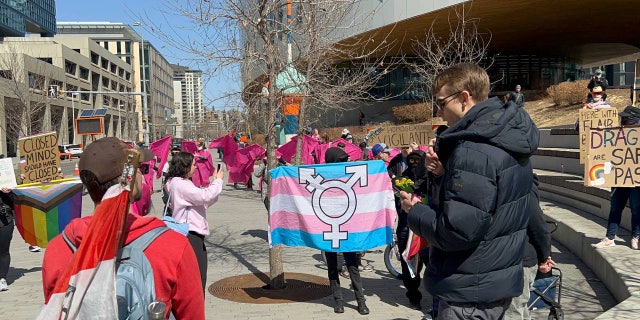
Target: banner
(402, 136)
(594, 118)
(7, 176)
(337, 207)
(44, 209)
(39, 157)
(613, 156)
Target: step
(563, 160)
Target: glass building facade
(19, 17)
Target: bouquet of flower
(404, 184)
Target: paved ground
(238, 245)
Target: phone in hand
(218, 167)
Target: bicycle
(392, 257)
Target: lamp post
(73, 115)
(145, 115)
(119, 135)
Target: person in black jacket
(7, 222)
(477, 233)
(597, 80)
(333, 155)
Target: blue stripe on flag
(357, 241)
(329, 170)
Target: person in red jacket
(175, 269)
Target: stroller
(547, 289)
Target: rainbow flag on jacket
(337, 207)
(44, 209)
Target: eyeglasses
(441, 103)
(144, 168)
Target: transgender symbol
(317, 186)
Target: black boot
(356, 282)
(362, 307)
(338, 306)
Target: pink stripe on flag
(290, 186)
(360, 222)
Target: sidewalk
(237, 245)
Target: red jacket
(170, 256)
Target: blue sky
(135, 10)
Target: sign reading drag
(598, 118)
(39, 157)
(613, 157)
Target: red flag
(230, 148)
(410, 254)
(160, 148)
(241, 168)
(87, 286)
(189, 146)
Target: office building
(19, 18)
(193, 111)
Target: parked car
(74, 149)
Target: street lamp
(73, 115)
(145, 115)
(119, 135)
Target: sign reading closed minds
(613, 157)
(39, 157)
(402, 136)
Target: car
(74, 149)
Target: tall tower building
(193, 110)
(17, 18)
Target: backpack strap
(69, 242)
(142, 242)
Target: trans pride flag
(337, 207)
(44, 209)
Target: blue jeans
(619, 197)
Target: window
(84, 96)
(127, 47)
(622, 68)
(84, 73)
(70, 67)
(120, 72)
(106, 45)
(36, 81)
(127, 76)
(105, 82)
(106, 100)
(7, 74)
(114, 68)
(127, 60)
(114, 85)
(623, 80)
(118, 47)
(76, 50)
(94, 58)
(46, 59)
(104, 63)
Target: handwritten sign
(613, 157)
(7, 177)
(590, 118)
(399, 136)
(39, 157)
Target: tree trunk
(276, 272)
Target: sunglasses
(414, 160)
(144, 168)
(442, 102)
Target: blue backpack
(135, 288)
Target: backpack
(135, 288)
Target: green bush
(419, 112)
(568, 93)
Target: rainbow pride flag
(337, 207)
(44, 209)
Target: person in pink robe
(204, 167)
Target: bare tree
(463, 42)
(31, 93)
(282, 48)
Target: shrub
(419, 112)
(568, 93)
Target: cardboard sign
(613, 157)
(401, 136)
(7, 177)
(39, 157)
(590, 118)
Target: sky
(146, 10)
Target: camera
(5, 210)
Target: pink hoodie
(190, 202)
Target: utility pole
(145, 112)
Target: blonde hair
(464, 76)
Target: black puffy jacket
(478, 232)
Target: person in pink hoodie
(190, 202)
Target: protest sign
(7, 177)
(613, 157)
(594, 118)
(39, 157)
(402, 136)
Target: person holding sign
(620, 195)
(597, 100)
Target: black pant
(412, 284)
(351, 260)
(197, 243)
(6, 234)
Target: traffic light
(60, 92)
